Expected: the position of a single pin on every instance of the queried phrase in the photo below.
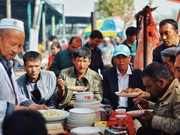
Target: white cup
(120, 111)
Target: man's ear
(89, 62)
(177, 32)
(161, 82)
(113, 60)
(130, 58)
(73, 60)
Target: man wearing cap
(11, 42)
(169, 56)
(107, 50)
(120, 77)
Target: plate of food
(138, 113)
(54, 114)
(129, 92)
(77, 88)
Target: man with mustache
(79, 75)
(168, 30)
(165, 118)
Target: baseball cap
(121, 49)
(106, 39)
(9, 23)
(171, 51)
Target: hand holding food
(61, 84)
(147, 118)
(141, 101)
(37, 107)
(143, 94)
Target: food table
(116, 122)
(113, 122)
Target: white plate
(137, 113)
(77, 88)
(86, 130)
(121, 117)
(81, 111)
(127, 94)
(55, 118)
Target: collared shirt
(83, 81)
(123, 83)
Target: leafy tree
(122, 8)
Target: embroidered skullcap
(9, 23)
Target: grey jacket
(167, 110)
(3, 108)
(9, 94)
(46, 85)
(94, 82)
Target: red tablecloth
(113, 120)
(128, 122)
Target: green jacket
(62, 60)
(94, 82)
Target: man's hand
(141, 101)
(32, 106)
(143, 94)
(37, 107)
(61, 84)
(147, 118)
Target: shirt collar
(85, 75)
(129, 72)
(7, 64)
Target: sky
(81, 8)
(165, 8)
(84, 8)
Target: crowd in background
(102, 64)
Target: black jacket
(96, 59)
(110, 85)
(157, 53)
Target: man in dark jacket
(120, 77)
(168, 30)
(96, 38)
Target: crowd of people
(98, 65)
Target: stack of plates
(93, 104)
(86, 131)
(80, 117)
